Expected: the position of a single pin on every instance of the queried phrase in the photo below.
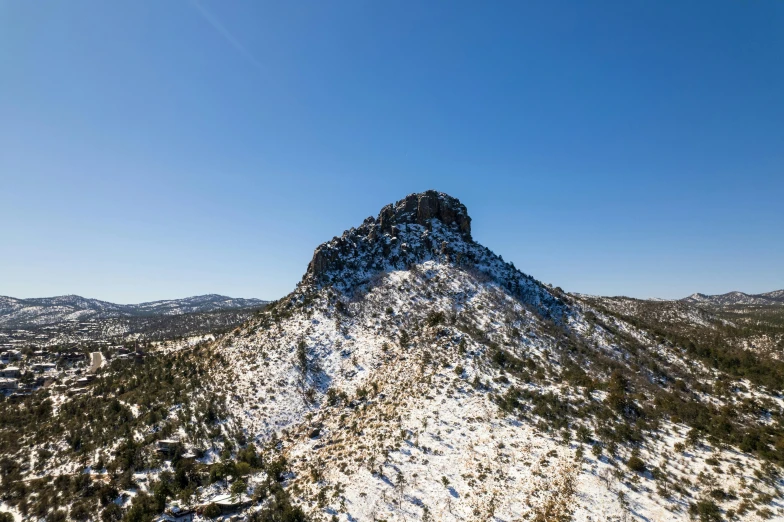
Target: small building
(168, 446)
(229, 504)
(84, 381)
(44, 367)
(10, 371)
(176, 514)
(20, 394)
(10, 355)
(8, 384)
(72, 356)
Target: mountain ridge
(775, 297)
(42, 311)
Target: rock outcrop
(428, 226)
(422, 208)
(389, 236)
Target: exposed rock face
(420, 227)
(422, 208)
(386, 236)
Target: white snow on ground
(417, 439)
(4, 508)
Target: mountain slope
(413, 373)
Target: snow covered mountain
(413, 374)
(26, 313)
(775, 298)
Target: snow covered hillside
(415, 375)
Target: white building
(8, 384)
(10, 355)
(9, 371)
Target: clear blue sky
(158, 149)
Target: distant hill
(37, 312)
(737, 298)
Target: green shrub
(212, 511)
(635, 463)
(706, 510)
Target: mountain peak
(423, 227)
(420, 208)
(419, 227)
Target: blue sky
(155, 150)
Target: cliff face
(422, 208)
(414, 229)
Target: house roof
(226, 500)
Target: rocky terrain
(413, 374)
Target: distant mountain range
(26, 313)
(737, 298)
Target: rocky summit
(421, 208)
(415, 228)
(428, 226)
